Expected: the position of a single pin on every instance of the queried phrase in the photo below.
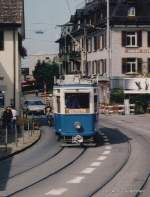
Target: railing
(21, 133)
(116, 109)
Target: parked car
(34, 106)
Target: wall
(7, 67)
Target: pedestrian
(49, 115)
(36, 92)
(7, 118)
(14, 117)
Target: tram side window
(77, 100)
(58, 104)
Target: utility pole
(108, 37)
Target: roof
(11, 11)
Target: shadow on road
(115, 136)
(5, 167)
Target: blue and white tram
(75, 110)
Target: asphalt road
(118, 168)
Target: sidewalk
(25, 140)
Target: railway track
(115, 173)
(35, 166)
(143, 186)
(74, 158)
(135, 192)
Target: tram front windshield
(77, 101)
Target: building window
(2, 99)
(149, 65)
(103, 66)
(1, 40)
(131, 11)
(58, 104)
(132, 39)
(78, 24)
(148, 38)
(131, 65)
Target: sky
(45, 15)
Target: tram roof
(74, 85)
(74, 81)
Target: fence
(20, 132)
(116, 109)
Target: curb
(21, 150)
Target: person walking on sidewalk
(14, 117)
(7, 118)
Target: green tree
(44, 73)
(117, 95)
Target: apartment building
(121, 60)
(11, 35)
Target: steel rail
(141, 189)
(114, 174)
(49, 175)
(27, 170)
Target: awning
(137, 91)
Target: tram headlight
(77, 125)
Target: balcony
(75, 55)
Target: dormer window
(131, 11)
(79, 24)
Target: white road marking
(107, 152)
(56, 192)
(88, 170)
(77, 179)
(95, 164)
(108, 147)
(101, 158)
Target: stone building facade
(11, 36)
(123, 60)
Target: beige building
(11, 50)
(119, 56)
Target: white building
(11, 34)
(126, 62)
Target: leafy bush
(141, 102)
(117, 96)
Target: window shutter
(123, 38)
(1, 40)
(148, 38)
(98, 42)
(148, 65)
(95, 47)
(139, 37)
(103, 41)
(124, 65)
(139, 68)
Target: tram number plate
(77, 139)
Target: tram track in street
(35, 166)
(80, 154)
(136, 192)
(98, 189)
(141, 189)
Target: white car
(32, 106)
